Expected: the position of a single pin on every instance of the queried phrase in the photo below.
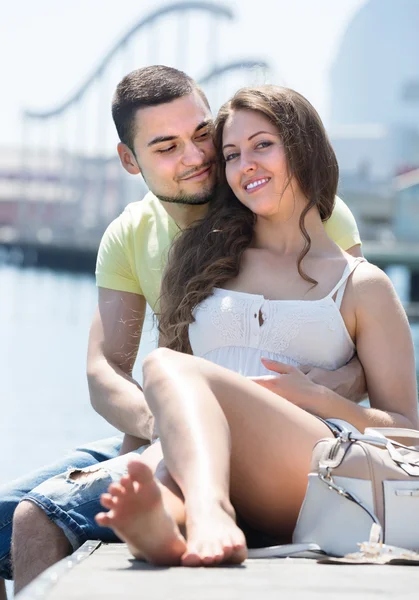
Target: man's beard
(191, 200)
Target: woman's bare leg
(195, 439)
(210, 418)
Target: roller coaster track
(177, 7)
(233, 66)
(67, 195)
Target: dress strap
(340, 287)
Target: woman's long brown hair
(209, 252)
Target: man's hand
(348, 381)
(131, 443)
(290, 383)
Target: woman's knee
(164, 364)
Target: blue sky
(49, 47)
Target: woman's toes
(211, 555)
(191, 557)
(139, 471)
(228, 549)
(126, 482)
(239, 555)
(103, 519)
(115, 489)
(106, 500)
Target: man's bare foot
(213, 537)
(137, 515)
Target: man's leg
(57, 517)
(33, 526)
(12, 493)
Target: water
(44, 323)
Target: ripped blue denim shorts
(71, 500)
(13, 492)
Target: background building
(374, 117)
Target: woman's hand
(290, 383)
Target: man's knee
(31, 526)
(37, 543)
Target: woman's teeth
(254, 184)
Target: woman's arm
(385, 349)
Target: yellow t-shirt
(134, 248)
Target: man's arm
(348, 381)
(113, 345)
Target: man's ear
(128, 160)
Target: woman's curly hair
(209, 252)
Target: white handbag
(357, 480)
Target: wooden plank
(42, 585)
(110, 572)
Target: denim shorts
(12, 493)
(71, 500)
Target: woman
(257, 287)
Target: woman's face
(256, 166)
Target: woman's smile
(255, 184)
(255, 161)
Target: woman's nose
(247, 164)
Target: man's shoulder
(138, 216)
(340, 205)
(341, 227)
(147, 208)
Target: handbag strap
(374, 436)
(410, 466)
(328, 480)
(393, 432)
(341, 446)
(371, 436)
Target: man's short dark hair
(149, 86)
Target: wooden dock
(107, 571)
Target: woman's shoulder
(371, 285)
(366, 274)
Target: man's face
(175, 150)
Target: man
(165, 127)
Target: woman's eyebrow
(250, 138)
(258, 133)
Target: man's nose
(193, 155)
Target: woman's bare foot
(138, 517)
(213, 537)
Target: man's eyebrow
(250, 138)
(169, 138)
(203, 124)
(162, 138)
